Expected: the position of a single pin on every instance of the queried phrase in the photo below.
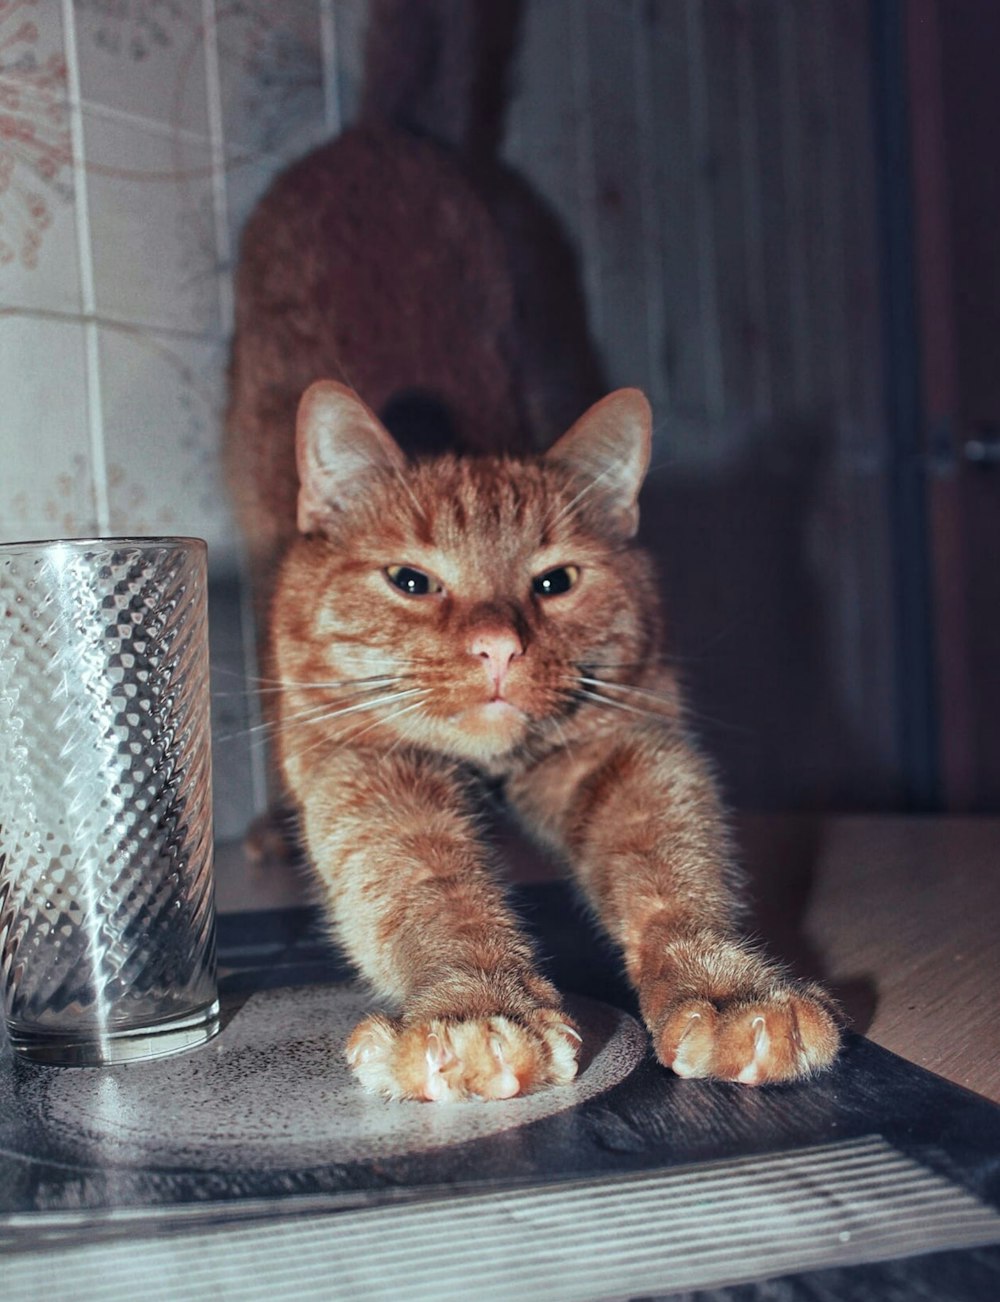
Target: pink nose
(497, 649)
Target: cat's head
(461, 604)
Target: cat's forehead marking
(482, 516)
(475, 525)
(481, 526)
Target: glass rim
(107, 543)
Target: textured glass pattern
(106, 904)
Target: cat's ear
(337, 439)
(608, 447)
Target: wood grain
(900, 915)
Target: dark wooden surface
(65, 1183)
(651, 1120)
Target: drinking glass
(107, 919)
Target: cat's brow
(429, 559)
(548, 558)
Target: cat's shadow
(781, 855)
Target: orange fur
(394, 704)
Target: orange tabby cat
(445, 619)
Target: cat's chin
(490, 729)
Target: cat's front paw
(787, 1033)
(446, 1060)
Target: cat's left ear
(337, 440)
(609, 447)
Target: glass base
(130, 1044)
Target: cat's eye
(412, 582)
(553, 583)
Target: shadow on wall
(745, 586)
(742, 574)
(441, 72)
(404, 258)
(744, 591)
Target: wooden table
(900, 915)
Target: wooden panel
(822, 211)
(722, 165)
(542, 137)
(779, 327)
(860, 575)
(954, 92)
(970, 39)
(774, 493)
(550, 218)
(842, 356)
(751, 157)
(347, 30)
(863, 327)
(672, 185)
(609, 74)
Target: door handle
(983, 448)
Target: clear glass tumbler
(107, 918)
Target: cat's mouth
(498, 706)
(495, 709)
(497, 719)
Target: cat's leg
(407, 887)
(638, 817)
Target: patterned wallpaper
(134, 137)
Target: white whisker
(321, 713)
(685, 712)
(384, 680)
(338, 739)
(368, 705)
(671, 697)
(584, 492)
(389, 665)
(276, 725)
(389, 718)
(617, 705)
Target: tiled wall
(134, 137)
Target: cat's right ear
(608, 448)
(337, 440)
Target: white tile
(233, 714)
(31, 47)
(542, 118)
(46, 489)
(39, 264)
(152, 226)
(37, 231)
(247, 178)
(350, 31)
(144, 58)
(271, 76)
(162, 400)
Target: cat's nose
(498, 649)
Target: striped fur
(393, 707)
